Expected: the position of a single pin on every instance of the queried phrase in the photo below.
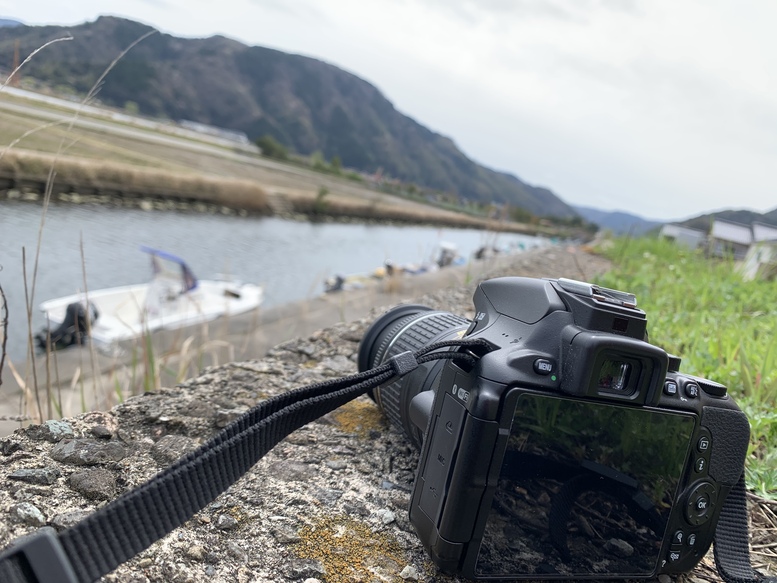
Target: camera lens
(409, 327)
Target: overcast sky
(663, 108)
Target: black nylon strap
(731, 550)
(131, 523)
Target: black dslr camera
(573, 448)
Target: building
(761, 259)
(224, 134)
(728, 239)
(692, 238)
(763, 232)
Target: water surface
(290, 259)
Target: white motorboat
(174, 298)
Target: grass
(723, 328)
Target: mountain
(745, 217)
(9, 22)
(304, 103)
(619, 222)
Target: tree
(336, 165)
(272, 148)
(317, 161)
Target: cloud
(302, 11)
(478, 12)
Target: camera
(569, 448)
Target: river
(291, 259)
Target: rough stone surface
(171, 447)
(95, 483)
(328, 504)
(52, 430)
(28, 514)
(87, 452)
(39, 476)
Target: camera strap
(131, 523)
(731, 549)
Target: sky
(662, 108)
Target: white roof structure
(731, 232)
(685, 235)
(762, 232)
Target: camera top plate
(602, 294)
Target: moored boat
(173, 298)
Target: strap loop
(37, 557)
(403, 363)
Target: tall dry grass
(44, 390)
(123, 180)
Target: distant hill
(619, 222)
(745, 217)
(304, 103)
(8, 22)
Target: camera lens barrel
(406, 328)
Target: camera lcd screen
(585, 490)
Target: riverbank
(104, 157)
(28, 176)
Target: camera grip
(730, 432)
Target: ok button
(700, 503)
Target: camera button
(543, 366)
(700, 504)
(700, 465)
(691, 541)
(703, 445)
(678, 538)
(670, 388)
(674, 555)
(692, 390)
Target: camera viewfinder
(614, 375)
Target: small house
(728, 239)
(761, 258)
(692, 238)
(763, 232)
